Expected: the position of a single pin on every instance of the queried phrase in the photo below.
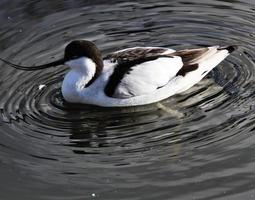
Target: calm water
(50, 149)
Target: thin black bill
(33, 68)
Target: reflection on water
(200, 141)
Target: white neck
(82, 71)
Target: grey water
(50, 149)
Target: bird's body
(139, 76)
(134, 76)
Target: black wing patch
(186, 69)
(135, 54)
(190, 59)
(124, 68)
(191, 56)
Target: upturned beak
(33, 68)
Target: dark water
(50, 149)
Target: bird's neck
(81, 74)
(84, 70)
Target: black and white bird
(133, 76)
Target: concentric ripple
(200, 141)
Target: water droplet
(41, 86)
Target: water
(50, 149)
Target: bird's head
(77, 53)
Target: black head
(82, 48)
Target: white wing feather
(148, 77)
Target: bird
(132, 76)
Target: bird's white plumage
(204, 67)
(146, 83)
(148, 77)
(83, 70)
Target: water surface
(50, 149)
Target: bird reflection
(94, 130)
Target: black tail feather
(230, 48)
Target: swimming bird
(133, 76)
